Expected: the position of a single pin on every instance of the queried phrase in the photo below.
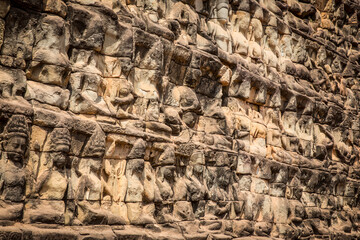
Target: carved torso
(13, 179)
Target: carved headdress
(16, 126)
(219, 9)
(60, 140)
(95, 147)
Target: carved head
(272, 37)
(126, 88)
(60, 140)
(168, 173)
(197, 160)
(15, 138)
(95, 166)
(223, 177)
(272, 118)
(136, 166)
(59, 146)
(257, 30)
(58, 159)
(220, 10)
(138, 150)
(241, 21)
(198, 169)
(197, 157)
(95, 147)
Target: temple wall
(145, 119)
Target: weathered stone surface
(2, 30)
(12, 82)
(19, 34)
(5, 7)
(179, 119)
(57, 7)
(48, 94)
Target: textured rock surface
(141, 119)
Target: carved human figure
(12, 176)
(240, 122)
(242, 126)
(220, 192)
(87, 94)
(288, 122)
(351, 102)
(285, 47)
(255, 38)
(52, 41)
(195, 182)
(119, 96)
(151, 195)
(258, 132)
(240, 22)
(240, 86)
(321, 57)
(151, 190)
(304, 130)
(51, 183)
(272, 119)
(180, 186)
(271, 48)
(224, 176)
(340, 221)
(88, 193)
(141, 187)
(189, 186)
(88, 184)
(274, 147)
(134, 175)
(300, 55)
(305, 127)
(114, 186)
(218, 24)
(165, 182)
(323, 142)
(343, 146)
(136, 192)
(188, 20)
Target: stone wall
(146, 119)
